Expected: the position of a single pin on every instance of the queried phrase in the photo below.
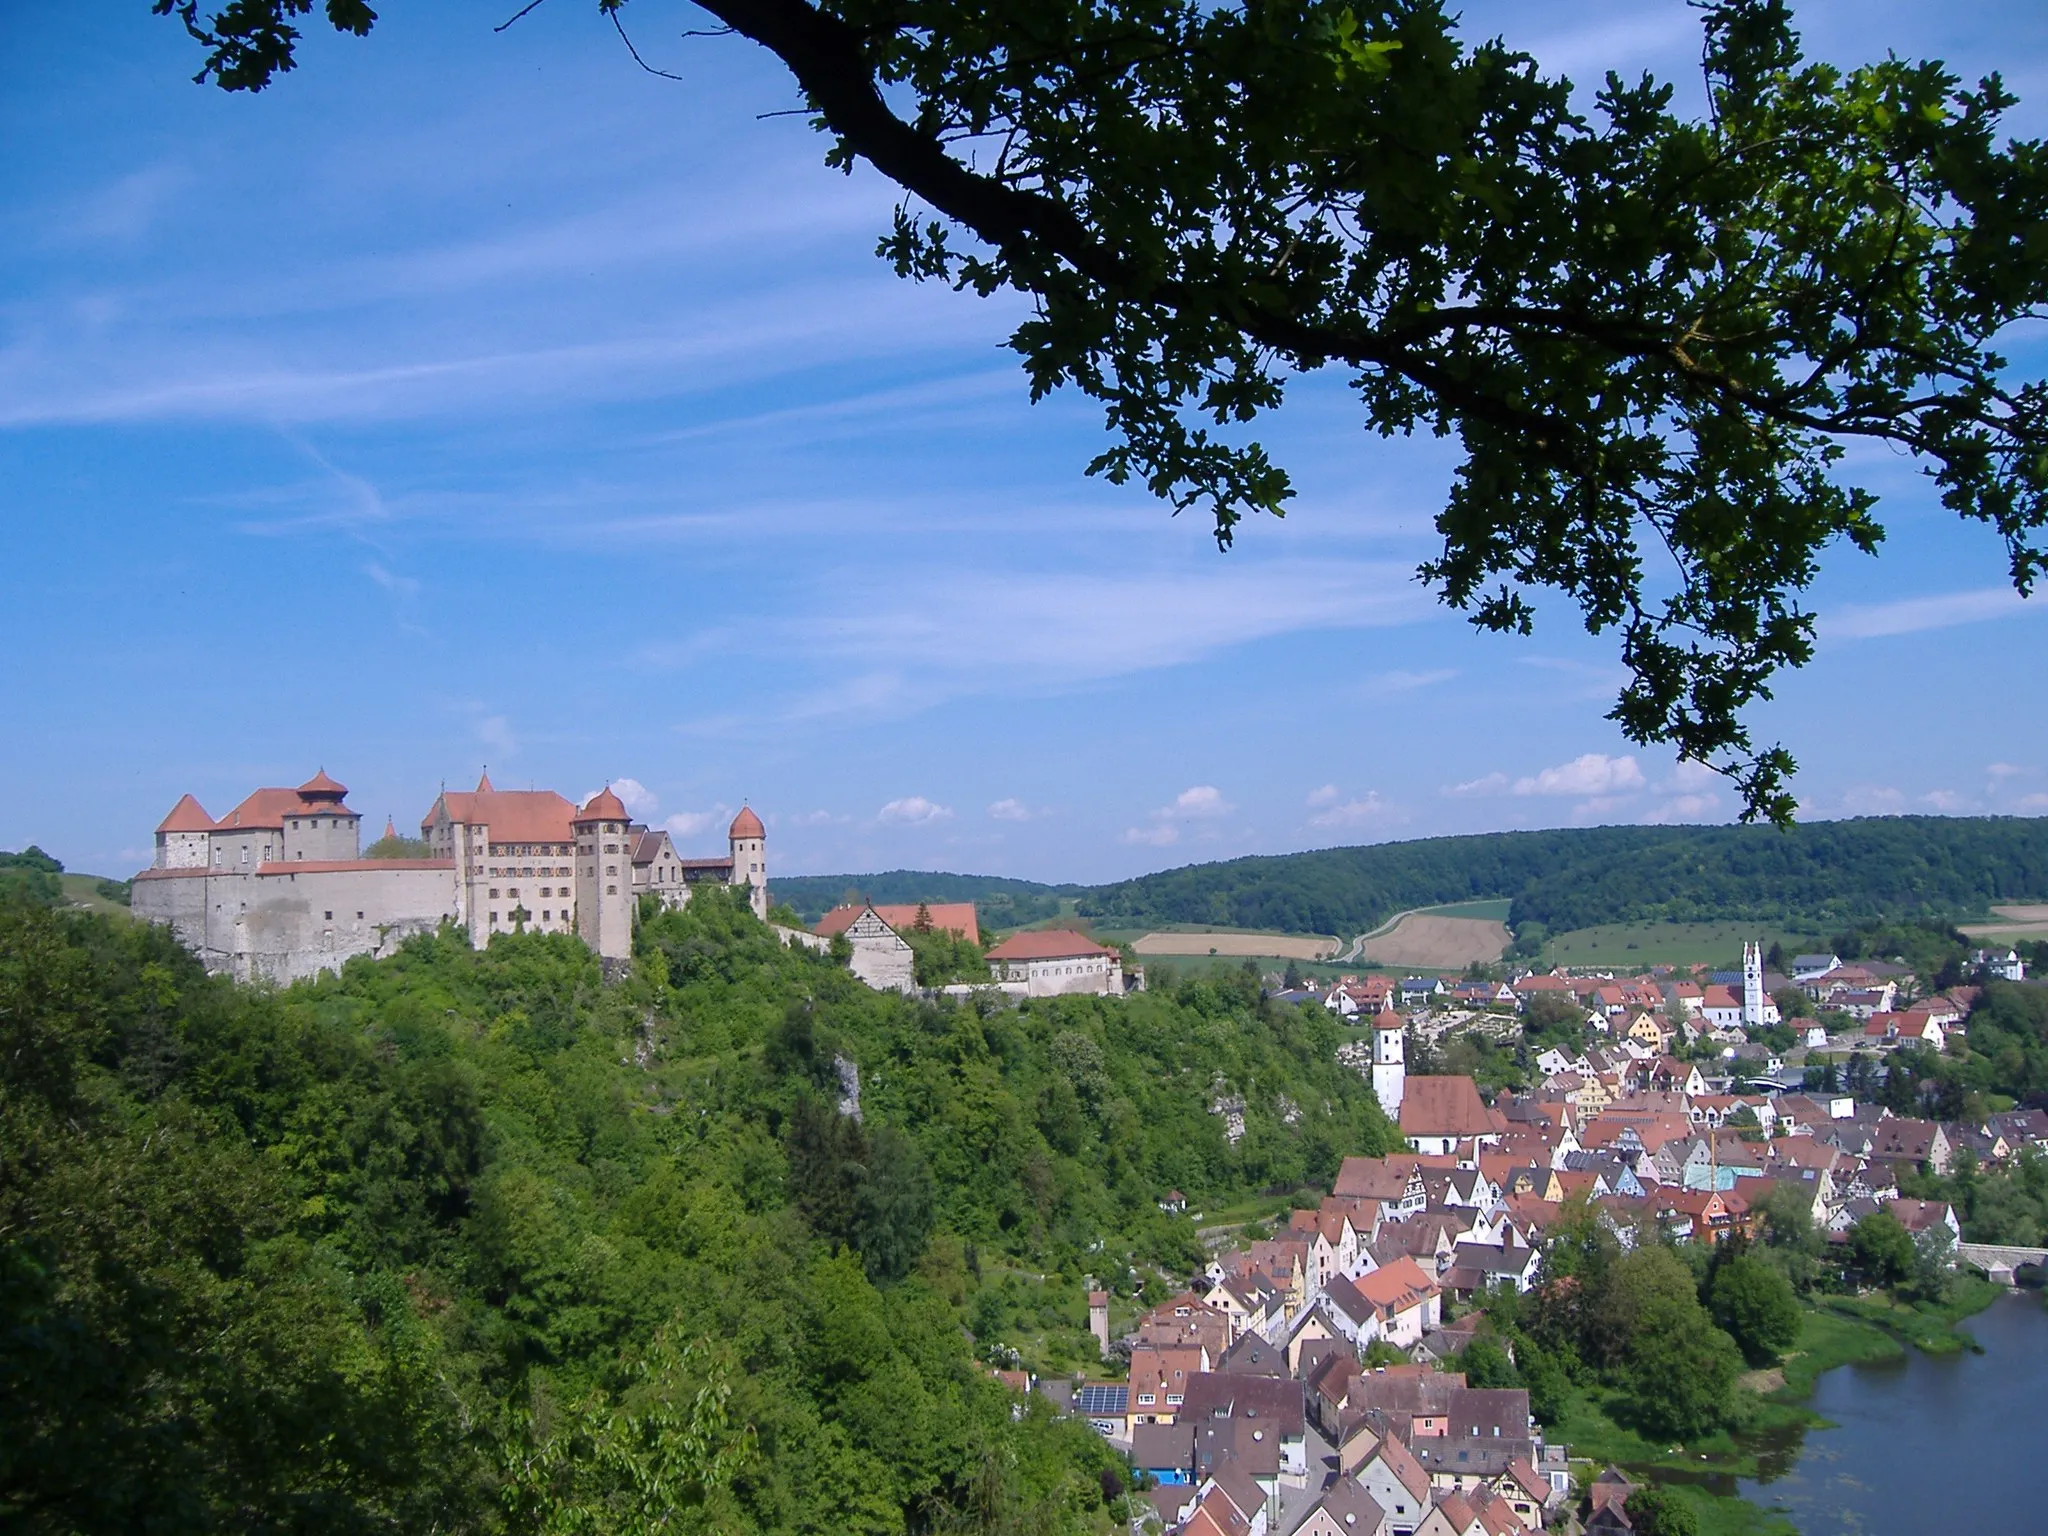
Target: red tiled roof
(1444, 1106)
(746, 824)
(269, 807)
(1048, 944)
(945, 916)
(513, 815)
(188, 815)
(484, 786)
(604, 806)
(321, 787)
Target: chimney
(1098, 1320)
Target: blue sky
(477, 399)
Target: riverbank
(1834, 1332)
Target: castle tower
(604, 877)
(181, 837)
(1389, 1061)
(749, 840)
(1753, 995)
(1098, 1320)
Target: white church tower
(1389, 1061)
(1754, 999)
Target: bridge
(1994, 1257)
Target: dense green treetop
(473, 1240)
(1654, 338)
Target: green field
(1482, 911)
(80, 891)
(1645, 944)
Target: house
(1106, 1405)
(1159, 1378)
(881, 956)
(1920, 1143)
(1476, 1267)
(1165, 1451)
(1347, 1509)
(2007, 966)
(1645, 1030)
(1352, 999)
(1609, 1495)
(1052, 962)
(1395, 1182)
(1439, 1112)
(955, 917)
(1272, 1407)
(1421, 991)
(1398, 1484)
(1406, 1302)
(1807, 968)
(1922, 1216)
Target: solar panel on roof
(1096, 1399)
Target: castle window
(611, 890)
(494, 916)
(359, 917)
(546, 915)
(329, 917)
(512, 893)
(494, 897)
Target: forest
(472, 1240)
(1823, 875)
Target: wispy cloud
(1912, 615)
(1354, 812)
(1486, 784)
(1202, 800)
(1009, 810)
(1163, 835)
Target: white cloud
(1201, 800)
(1490, 784)
(2007, 770)
(1911, 615)
(1161, 836)
(1692, 776)
(1009, 810)
(690, 823)
(1369, 808)
(1591, 773)
(1683, 808)
(914, 810)
(635, 796)
(1327, 795)
(2034, 802)
(1947, 801)
(816, 819)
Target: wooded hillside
(471, 1241)
(1820, 873)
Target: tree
(1678, 1368)
(1655, 338)
(1882, 1248)
(1754, 1303)
(1655, 1511)
(1485, 1363)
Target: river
(1928, 1443)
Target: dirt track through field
(1279, 946)
(1438, 942)
(2026, 921)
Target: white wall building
(1057, 960)
(277, 889)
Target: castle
(278, 887)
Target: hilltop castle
(278, 887)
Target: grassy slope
(80, 891)
(1655, 943)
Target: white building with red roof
(1052, 961)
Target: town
(1310, 1381)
